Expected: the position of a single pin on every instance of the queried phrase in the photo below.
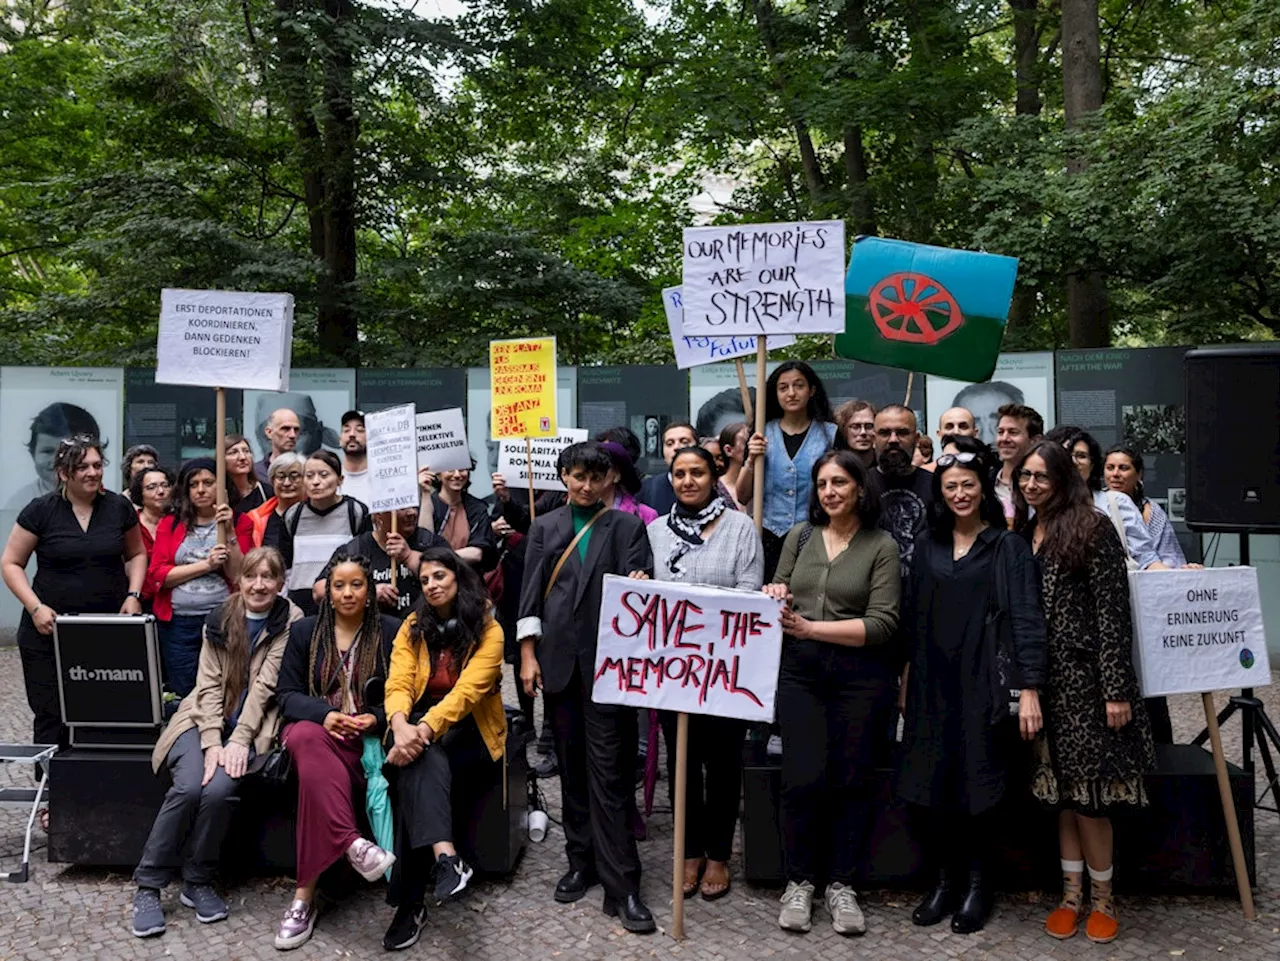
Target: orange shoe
(1101, 928)
(1062, 923)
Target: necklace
(836, 543)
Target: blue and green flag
(928, 309)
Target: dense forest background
(425, 179)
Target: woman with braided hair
(329, 661)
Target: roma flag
(929, 309)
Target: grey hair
(284, 462)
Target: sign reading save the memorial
(391, 436)
(222, 338)
(514, 459)
(442, 440)
(683, 647)
(522, 378)
(693, 350)
(1197, 631)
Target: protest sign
(683, 647)
(1196, 631)
(523, 383)
(926, 309)
(764, 279)
(393, 458)
(693, 350)
(514, 457)
(442, 440)
(222, 338)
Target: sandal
(711, 880)
(693, 868)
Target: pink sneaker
(369, 860)
(296, 927)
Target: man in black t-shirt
(905, 491)
(407, 545)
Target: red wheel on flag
(914, 308)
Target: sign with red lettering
(683, 647)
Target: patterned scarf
(688, 526)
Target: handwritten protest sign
(682, 647)
(221, 338)
(693, 350)
(442, 440)
(393, 458)
(764, 279)
(522, 376)
(1196, 631)
(513, 459)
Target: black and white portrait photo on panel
(318, 397)
(1025, 379)
(715, 398)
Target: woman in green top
(838, 577)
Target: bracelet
(35, 610)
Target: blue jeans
(180, 641)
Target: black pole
(1246, 717)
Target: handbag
(998, 630)
(274, 767)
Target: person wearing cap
(355, 458)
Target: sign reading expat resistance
(693, 350)
(393, 458)
(442, 440)
(220, 338)
(522, 377)
(1197, 631)
(514, 459)
(764, 279)
(681, 647)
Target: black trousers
(596, 754)
(831, 704)
(714, 783)
(40, 674)
(956, 842)
(525, 701)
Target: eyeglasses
(862, 428)
(156, 486)
(950, 460)
(1040, 477)
(902, 432)
(292, 476)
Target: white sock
(1073, 867)
(1101, 875)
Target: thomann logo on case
(78, 673)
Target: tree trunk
(861, 203)
(1087, 319)
(293, 80)
(1026, 57)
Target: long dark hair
(324, 638)
(1139, 495)
(868, 506)
(819, 407)
(942, 521)
(459, 634)
(180, 506)
(1068, 437)
(1067, 517)
(235, 630)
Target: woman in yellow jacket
(444, 709)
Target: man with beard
(904, 490)
(355, 458)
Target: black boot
(938, 903)
(974, 909)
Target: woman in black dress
(957, 736)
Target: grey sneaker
(209, 907)
(296, 926)
(369, 860)
(846, 916)
(148, 916)
(797, 907)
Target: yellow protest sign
(522, 378)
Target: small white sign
(442, 440)
(222, 338)
(393, 458)
(693, 350)
(682, 647)
(764, 279)
(513, 459)
(1197, 631)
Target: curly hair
(459, 633)
(324, 638)
(1067, 517)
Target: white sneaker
(846, 916)
(797, 907)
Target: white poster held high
(221, 338)
(442, 440)
(694, 350)
(391, 436)
(513, 459)
(682, 647)
(764, 279)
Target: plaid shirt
(731, 557)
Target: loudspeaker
(1233, 439)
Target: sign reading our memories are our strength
(764, 279)
(222, 338)
(687, 648)
(391, 436)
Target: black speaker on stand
(1233, 484)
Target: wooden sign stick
(757, 490)
(528, 459)
(1228, 808)
(395, 564)
(911, 379)
(678, 801)
(220, 454)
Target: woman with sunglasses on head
(244, 491)
(958, 742)
(444, 710)
(285, 477)
(328, 665)
(704, 540)
(1098, 738)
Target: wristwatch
(134, 594)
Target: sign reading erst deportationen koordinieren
(223, 338)
(522, 378)
(391, 436)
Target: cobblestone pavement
(74, 913)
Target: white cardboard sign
(694, 350)
(764, 279)
(392, 440)
(513, 459)
(442, 440)
(1197, 631)
(222, 338)
(683, 647)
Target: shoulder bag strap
(1001, 579)
(568, 551)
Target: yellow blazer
(478, 691)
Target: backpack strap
(806, 532)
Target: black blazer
(570, 616)
(657, 492)
(294, 693)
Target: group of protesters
(980, 594)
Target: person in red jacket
(190, 573)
